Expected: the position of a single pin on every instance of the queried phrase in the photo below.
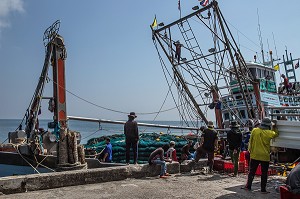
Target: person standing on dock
(259, 148)
(131, 137)
(234, 138)
(208, 144)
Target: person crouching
(157, 158)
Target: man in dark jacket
(208, 144)
(234, 138)
(131, 137)
(185, 151)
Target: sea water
(90, 130)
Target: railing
(289, 131)
(284, 108)
(139, 123)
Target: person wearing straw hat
(131, 137)
(259, 148)
(208, 144)
(234, 138)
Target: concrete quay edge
(18, 184)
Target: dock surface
(186, 185)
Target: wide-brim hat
(132, 114)
(210, 124)
(234, 124)
(266, 123)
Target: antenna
(260, 38)
(275, 46)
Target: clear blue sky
(111, 58)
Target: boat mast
(204, 74)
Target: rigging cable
(109, 109)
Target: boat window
(253, 72)
(273, 76)
(258, 73)
(226, 116)
(266, 73)
(238, 97)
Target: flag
(179, 8)
(297, 65)
(154, 24)
(276, 67)
(204, 2)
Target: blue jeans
(163, 165)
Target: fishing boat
(205, 69)
(31, 149)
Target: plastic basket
(228, 167)
(270, 171)
(218, 165)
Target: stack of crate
(243, 164)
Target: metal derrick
(204, 60)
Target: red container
(258, 171)
(241, 167)
(242, 156)
(270, 171)
(286, 194)
(228, 167)
(218, 165)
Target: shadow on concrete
(238, 192)
(213, 177)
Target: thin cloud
(6, 8)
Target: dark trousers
(264, 173)
(201, 151)
(235, 160)
(134, 145)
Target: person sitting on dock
(171, 152)
(185, 152)
(234, 138)
(293, 180)
(157, 157)
(208, 144)
(106, 154)
(259, 148)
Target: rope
(40, 163)
(92, 134)
(16, 147)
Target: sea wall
(16, 184)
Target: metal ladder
(289, 67)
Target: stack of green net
(148, 142)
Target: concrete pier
(17, 184)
